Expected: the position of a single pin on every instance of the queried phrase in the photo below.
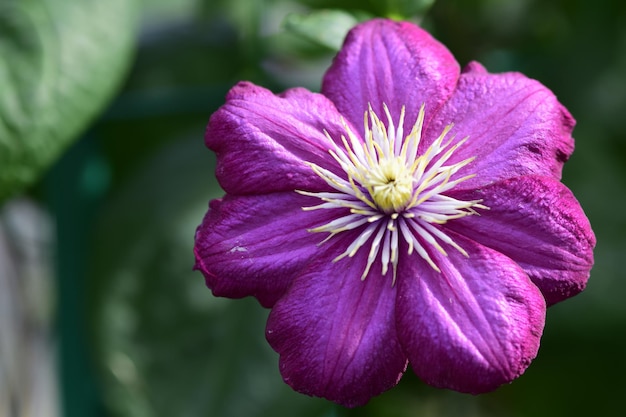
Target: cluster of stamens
(393, 192)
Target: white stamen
(391, 191)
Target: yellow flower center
(390, 184)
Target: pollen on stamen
(393, 192)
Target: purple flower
(412, 213)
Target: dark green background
(142, 336)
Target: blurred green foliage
(156, 343)
(55, 77)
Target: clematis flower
(410, 214)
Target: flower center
(393, 192)
(390, 184)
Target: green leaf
(407, 9)
(324, 27)
(60, 62)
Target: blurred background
(104, 177)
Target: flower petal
(537, 222)
(336, 334)
(396, 63)
(255, 245)
(516, 126)
(277, 133)
(472, 327)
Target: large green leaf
(60, 61)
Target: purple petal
(516, 126)
(336, 334)
(472, 327)
(396, 63)
(537, 222)
(255, 245)
(262, 140)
